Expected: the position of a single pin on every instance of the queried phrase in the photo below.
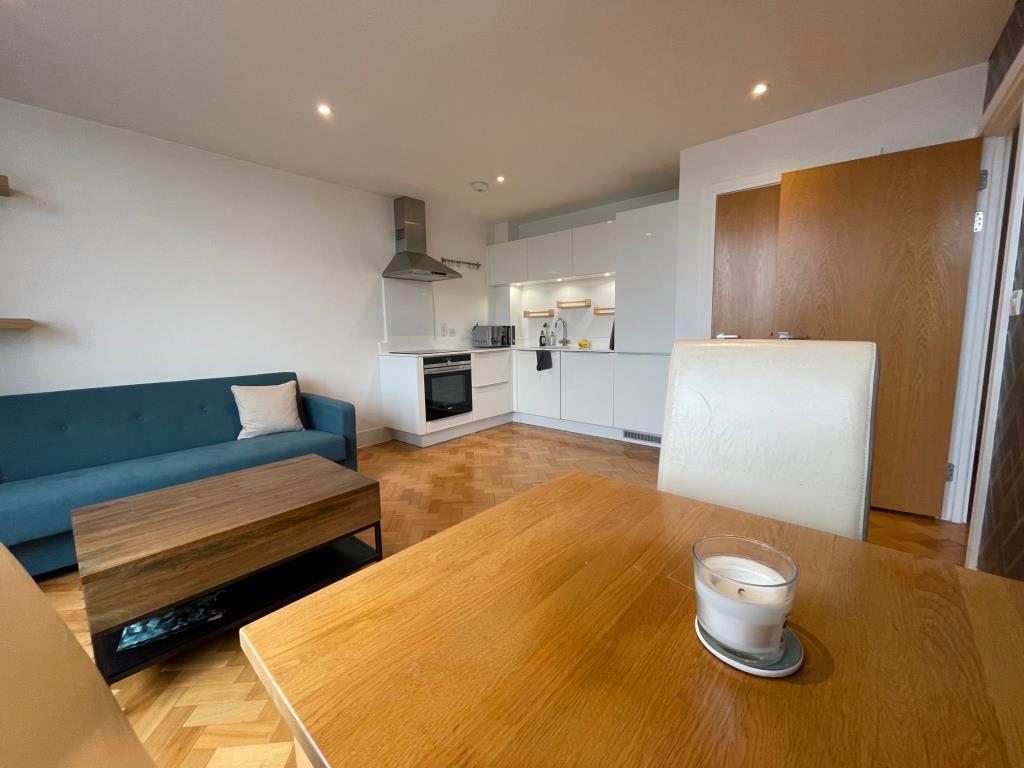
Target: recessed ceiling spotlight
(558, 280)
(607, 274)
(647, 234)
(323, 109)
(610, 221)
(759, 90)
(501, 179)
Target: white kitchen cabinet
(538, 392)
(491, 368)
(492, 400)
(507, 262)
(641, 383)
(588, 381)
(645, 278)
(593, 249)
(549, 256)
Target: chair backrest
(55, 708)
(782, 429)
(49, 432)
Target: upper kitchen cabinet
(506, 263)
(645, 278)
(593, 249)
(549, 256)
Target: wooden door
(879, 250)
(746, 234)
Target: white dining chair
(782, 429)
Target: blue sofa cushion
(37, 507)
(51, 432)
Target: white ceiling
(575, 101)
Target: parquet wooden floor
(206, 709)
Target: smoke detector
(479, 186)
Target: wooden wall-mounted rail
(15, 323)
(604, 310)
(573, 304)
(5, 187)
(538, 313)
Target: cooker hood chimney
(411, 261)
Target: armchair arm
(337, 416)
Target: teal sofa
(62, 450)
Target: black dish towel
(543, 360)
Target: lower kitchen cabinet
(538, 392)
(492, 400)
(588, 381)
(641, 382)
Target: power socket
(444, 328)
(451, 331)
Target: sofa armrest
(329, 415)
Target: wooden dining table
(557, 629)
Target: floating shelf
(5, 187)
(538, 313)
(15, 323)
(573, 304)
(604, 310)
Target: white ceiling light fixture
(759, 90)
(501, 179)
(324, 110)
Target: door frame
(1002, 324)
(985, 256)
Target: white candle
(742, 605)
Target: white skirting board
(367, 437)
(433, 438)
(577, 427)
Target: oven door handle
(427, 371)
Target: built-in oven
(447, 385)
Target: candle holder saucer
(792, 655)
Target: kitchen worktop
(487, 350)
(556, 348)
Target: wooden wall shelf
(15, 323)
(604, 310)
(538, 313)
(573, 304)
(5, 187)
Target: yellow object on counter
(584, 343)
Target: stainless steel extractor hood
(411, 261)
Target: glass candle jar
(745, 590)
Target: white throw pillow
(267, 410)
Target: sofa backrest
(49, 432)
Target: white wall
(462, 302)
(145, 260)
(933, 111)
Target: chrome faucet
(564, 341)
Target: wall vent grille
(642, 437)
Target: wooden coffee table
(257, 539)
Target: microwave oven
(494, 335)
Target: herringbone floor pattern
(206, 709)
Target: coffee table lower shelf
(244, 600)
